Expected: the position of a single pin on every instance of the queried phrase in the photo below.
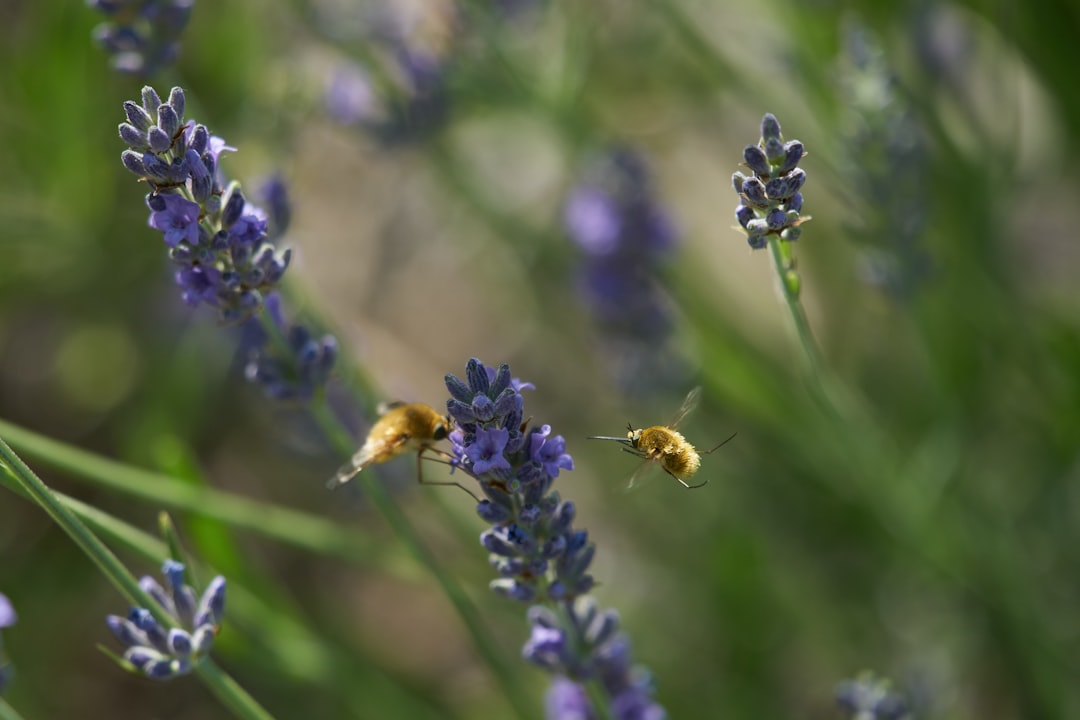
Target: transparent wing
(644, 471)
(385, 407)
(350, 469)
(692, 399)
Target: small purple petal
(7, 612)
(179, 221)
(486, 452)
(567, 700)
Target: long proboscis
(605, 437)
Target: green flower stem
(231, 694)
(110, 566)
(404, 530)
(790, 283)
(226, 690)
(7, 712)
(292, 527)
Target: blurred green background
(921, 521)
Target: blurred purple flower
(295, 369)
(7, 619)
(142, 36)
(567, 700)
(350, 98)
(870, 698)
(625, 237)
(7, 612)
(410, 104)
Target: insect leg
(445, 458)
(718, 447)
(683, 482)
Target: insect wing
(646, 470)
(692, 399)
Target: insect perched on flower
(666, 446)
(401, 427)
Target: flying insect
(401, 427)
(665, 445)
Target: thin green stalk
(231, 694)
(404, 530)
(293, 527)
(7, 712)
(228, 692)
(790, 283)
(100, 555)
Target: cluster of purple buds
(7, 619)
(771, 201)
(533, 546)
(587, 646)
(870, 698)
(163, 653)
(142, 36)
(295, 364)
(218, 241)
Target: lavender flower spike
(538, 554)
(162, 653)
(297, 367)
(625, 237)
(771, 201)
(218, 241)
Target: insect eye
(440, 432)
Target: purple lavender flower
(886, 159)
(294, 365)
(567, 700)
(625, 237)
(486, 454)
(534, 548)
(870, 698)
(402, 109)
(771, 201)
(7, 619)
(7, 612)
(218, 241)
(162, 653)
(274, 193)
(142, 36)
(177, 219)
